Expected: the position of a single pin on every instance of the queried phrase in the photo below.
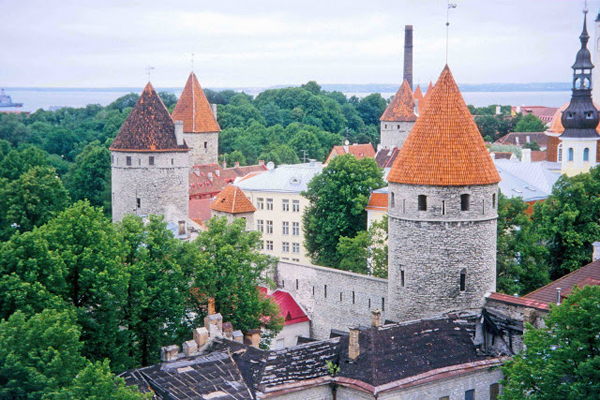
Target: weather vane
(192, 62)
(585, 7)
(450, 6)
(149, 70)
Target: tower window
(151, 160)
(171, 161)
(325, 291)
(589, 115)
(586, 154)
(353, 298)
(206, 145)
(139, 202)
(340, 296)
(403, 206)
(465, 199)
(385, 126)
(112, 159)
(402, 277)
(443, 207)
(128, 160)
(383, 304)
(392, 200)
(494, 200)
(570, 154)
(483, 206)
(296, 284)
(463, 280)
(398, 126)
(422, 200)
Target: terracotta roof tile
(149, 127)
(199, 209)
(357, 150)
(520, 301)
(402, 106)
(427, 95)
(444, 147)
(378, 202)
(194, 110)
(233, 201)
(209, 179)
(385, 157)
(419, 99)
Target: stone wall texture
(204, 147)
(359, 295)
(394, 133)
(322, 392)
(429, 249)
(156, 186)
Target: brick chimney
(408, 55)
(169, 353)
(526, 155)
(211, 306)
(353, 344)
(596, 254)
(236, 164)
(376, 318)
(179, 132)
(253, 338)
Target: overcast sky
(236, 43)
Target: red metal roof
(291, 312)
(519, 301)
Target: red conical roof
(402, 106)
(444, 147)
(232, 200)
(194, 110)
(148, 127)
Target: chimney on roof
(408, 55)
(213, 107)
(353, 345)
(526, 155)
(228, 330)
(261, 163)
(179, 132)
(224, 164)
(558, 290)
(201, 336)
(253, 337)
(596, 254)
(211, 306)
(169, 353)
(181, 228)
(376, 318)
(236, 164)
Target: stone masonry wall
(204, 147)
(156, 186)
(359, 295)
(429, 249)
(394, 133)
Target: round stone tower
(443, 190)
(149, 162)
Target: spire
(444, 147)
(402, 106)
(148, 127)
(419, 99)
(194, 110)
(580, 118)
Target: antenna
(585, 7)
(149, 70)
(304, 157)
(450, 6)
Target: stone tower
(200, 127)
(398, 118)
(580, 118)
(149, 161)
(443, 191)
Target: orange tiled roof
(233, 201)
(444, 147)
(402, 106)
(149, 127)
(357, 150)
(209, 179)
(199, 210)
(378, 202)
(419, 99)
(193, 109)
(427, 93)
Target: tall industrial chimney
(408, 55)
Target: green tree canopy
(338, 197)
(89, 177)
(530, 123)
(367, 252)
(561, 361)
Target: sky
(260, 43)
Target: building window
(296, 248)
(313, 290)
(465, 199)
(112, 159)
(295, 228)
(483, 206)
(285, 247)
(586, 154)
(341, 297)
(286, 228)
(151, 160)
(559, 156)
(494, 200)
(385, 126)
(260, 203)
(392, 200)
(296, 284)
(171, 161)
(128, 160)
(402, 277)
(353, 297)
(443, 207)
(139, 202)
(463, 280)
(269, 204)
(325, 291)
(494, 391)
(206, 145)
(383, 304)
(295, 259)
(269, 227)
(139, 161)
(260, 225)
(295, 205)
(369, 304)
(403, 206)
(286, 205)
(570, 154)
(398, 126)
(445, 398)
(470, 394)
(269, 245)
(422, 199)
(262, 245)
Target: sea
(49, 99)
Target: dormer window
(570, 115)
(589, 115)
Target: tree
(281, 154)
(89, 177)
(569, 221)
(562, 360)
(168, 98)
(530, 123)
(312, 86)
(520, 257)
(367, 252)
(338, 197)
(229, 268)
(371, 108)
(532, 145)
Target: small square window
(151, 160)
(296, 248)
(128, 160)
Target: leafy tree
(312, 87)
(371, 108)
(569, 221)
(16, 162)
(530, 123)
(281, 154)
(168, 98)
(124, 102)
(229, 267)
(338, 197)
(520, 257)
(532, 145)
(89, 177)
(562, 360)
(367, 252)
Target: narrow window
(128, 160)
(139, 161)
(586, 154)
(392, 201)
(296, 284)
(151, 160)
(570, 154)
(403, 206)
(463, 280)
(443, 207)
(470, 394)
(383, 304)
(313, 290)
(494, 200)
(340, 296)
(369, 304)
(283, 283)
(494, 391)
(465, 199)
(422, 199)
(295, 205)
(206, 145)
(402, 277)
(139, 202)
(385, 126)
(559, 156)
(171, 161)
(325, 291)
(112, 159)
(353, 298)
(286, 205)
(398, 126)
(269, 204)
(286, 228)
(483, 206)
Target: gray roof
(531, 181)
(285, 178)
